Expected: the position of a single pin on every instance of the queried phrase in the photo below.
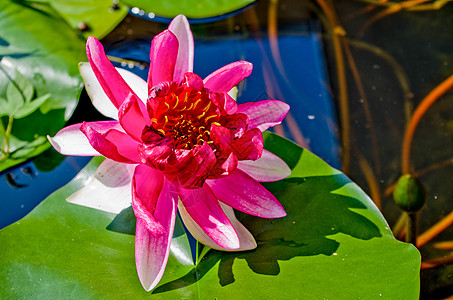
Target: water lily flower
(176, 142)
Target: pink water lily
(177, 142)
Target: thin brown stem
(437, 262)
(366, 107)
(445, 245)
(337, 33)
(371, 180)
(411, 228)
(435, 230)
(426, 103)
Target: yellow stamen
(210, 117)
(196, 103)
(202, 115)
(177, 102)
(207, 107)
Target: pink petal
(192, 80)
(184, 63)
(151, 253)
(107, 139)
(111, 81)
(163, 55)
(157, 154)
(194, 168)
(221, 136)
(244, 193)
(246, 240)
(147, 185)
(249, 146)
(264, 114)
(224, 166)
(99, 97)
(237, 123)
(71, 141)
(225, 78)
(109, 190)
(224, 102)
(136, 83)
(133, 117)
(203, 207)
(268, 168)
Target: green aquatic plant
(17, 100)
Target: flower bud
(409, 194)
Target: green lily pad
(45, 51)
(333, 244)
(189, 8)
(92, 17)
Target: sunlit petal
(203, 207)
(184, 63)
(109, 190)
(133, 117)
(109, 140)
(99, 97)
(225, 78)
(246, 240)
(110, 80)
(268, 168)
(264, 114)
(244, 193)
(163, 55)
(71, 141)
(151, 253)
(147, 185)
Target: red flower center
(182, 113)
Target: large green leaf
(334, 244)
(45, 51)
(190, 8)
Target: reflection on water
(26, 186)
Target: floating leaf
(333, 244)
(190, 8)
(92, 17)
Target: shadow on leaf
(315, 212)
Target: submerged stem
(338, 34)
(435, 230)
(411, 228)
(420, 111)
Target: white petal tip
(54, 143)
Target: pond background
(420, 47)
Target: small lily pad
(190, 8)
